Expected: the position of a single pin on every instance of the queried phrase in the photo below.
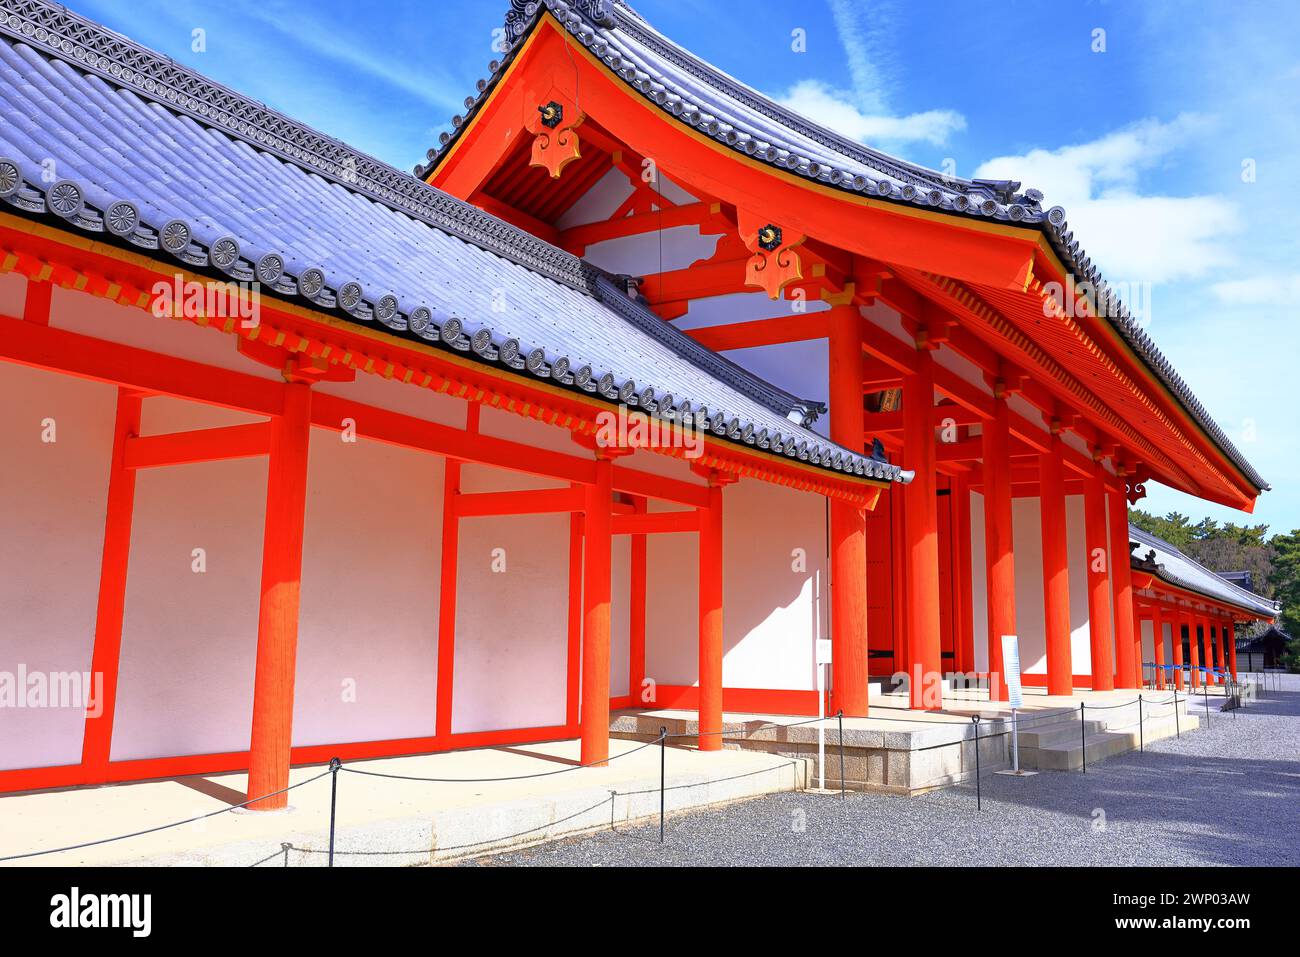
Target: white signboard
(1011, 670)
(823, 651)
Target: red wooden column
(1193, 650)
(447, 585)
(1158, 633)
(98, 735)
(1176, 647)
(1056, 568)
(1099, 557)
(277, 621)
(1212, 629)
(710, 578)
(596, 586)
(1230, 637)
(999, 542)
(921, 536)
(1126, 669)
(848, 522)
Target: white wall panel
(189, 639)
(368, 625)
(51, 544)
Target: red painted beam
(199, 445)
(530, 502)
(654, 523)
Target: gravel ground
(1228, 794)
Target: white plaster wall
(1030, 623)
(773, 614)
(660, 251)
(511, 626)
(368, 624)
(620, 611)
(51, 543)
(189, 639)
(93, 316)
(801, 368)
(598, 203)
(672, 605)
(1148, 644)
(1076, 542)
(979, 582)
(1030, 611)
(370, 389)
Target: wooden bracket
(553, 126)
(775, 263)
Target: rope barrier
(1033, 720)
(512, 777)
(162, 827)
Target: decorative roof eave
(471, 376)
(57, 32)
(1233, 595)
(595, 24)
(1181, 587)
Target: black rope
(163, 827)
(512, 777)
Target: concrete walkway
(1226, 795)
(384, 821)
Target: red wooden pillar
(1230, 637)
(710, 578)
(848, 530)
(921, 536)
(1158, 634)
(1212, 629)
(1099, 562)
(999, 542)
(1056, 569)
(277, 622)
(1126, 670)
(1176, 647)
(98, 735)
(447, 585)
(1193, 650)
(596, 586)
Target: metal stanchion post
(840, 718)
(663, 765)
(335, 764)
(979, 803)
(1205, 686)
(1083, 737)
(1142, 736)
(1178, 733)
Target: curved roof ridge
(214, 142)
(1247, 598)
(600, 25)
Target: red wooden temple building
(641, 386)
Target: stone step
(1068, 756)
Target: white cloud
(835, 110)
(1132, 236)
(1269, 290)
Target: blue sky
(1172, 138)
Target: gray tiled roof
(1177, 569)
(157, 157)
(702, 96)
